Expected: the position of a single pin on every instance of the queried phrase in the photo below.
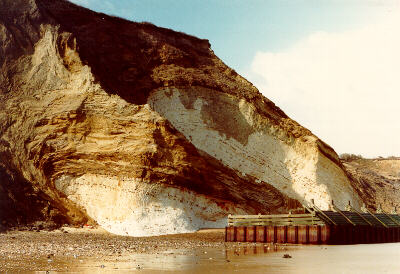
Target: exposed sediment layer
(232, 131)
(377, 181)
(144, 130)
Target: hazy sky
(331, 65)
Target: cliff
(377, 181)
(142, 129)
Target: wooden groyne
(316, 227)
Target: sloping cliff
(143, 129)
(377, 181)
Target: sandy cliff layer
(144, 130)
(377, 181)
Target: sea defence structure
(315, 226)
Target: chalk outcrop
(142, 129)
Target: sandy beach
(43, 250)
(69, 241)
(93, 250)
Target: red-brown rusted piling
(261, 234)
(281, 234)
(271, 234)
(303, 237)
(314, 232)
(292, 234)
(326, 234)
(240, 234)
(250, 234)
(230, 234)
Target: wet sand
(71, 248)
(96, 251)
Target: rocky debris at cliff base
(87, 242)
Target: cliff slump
(143, 129)
(377, 181)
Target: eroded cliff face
(295, 161)
(144, 130)
(377, 181)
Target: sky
(331, 65)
